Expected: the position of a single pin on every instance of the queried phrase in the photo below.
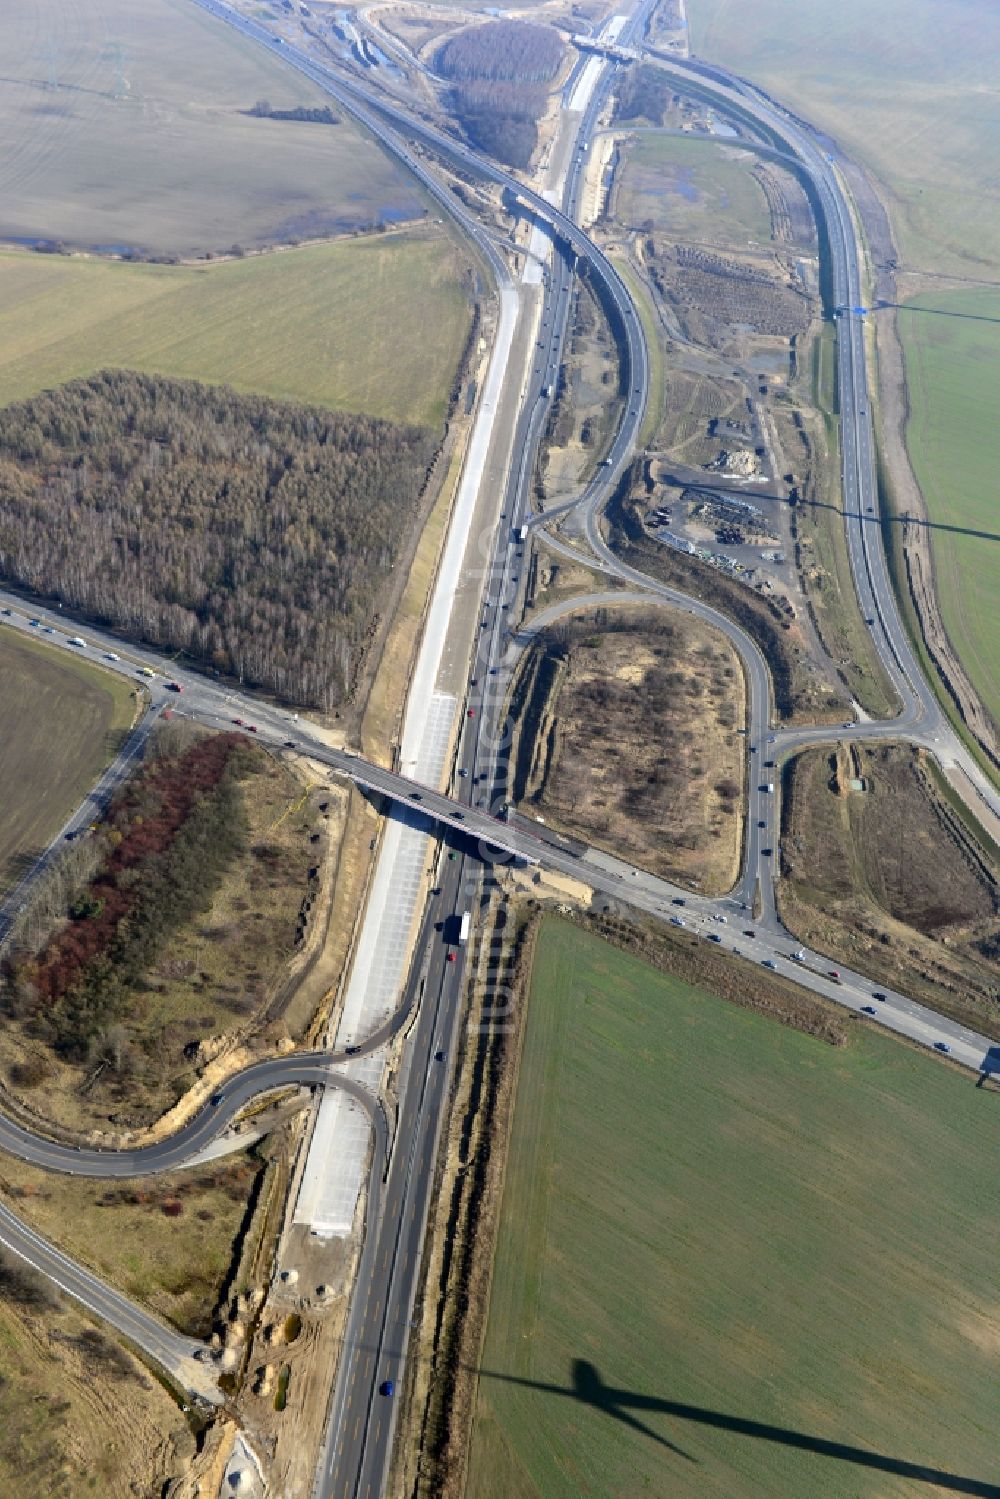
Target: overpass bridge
(475, 823)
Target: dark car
(749, 932)
(387, 1387)
(678, 900)
(439, 1056)
(215, 1100)
(941, 1046)
(868, 1010)
(762, 823)
(714, 937)
(879, 995)
(289, 744)
(769, 764)
(767, 852)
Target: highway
(359, 1446)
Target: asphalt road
(361, 1429)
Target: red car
(239, 721)
(472, 712)
(451, 957)
(174, 687)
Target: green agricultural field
(693, 190)
(733, 1260)
(907, 86)
(953, 373)
(374, 324)
(125, 123)
(63, 721)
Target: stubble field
(63, 720)
(771, 1253)
(952, 344)
(374, 325)
(124, 124)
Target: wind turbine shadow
(588, 1387)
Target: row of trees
(255, 535)
(170, 835)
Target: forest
(257, 536)
(499, 74)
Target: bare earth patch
(888, 878)
(629, 740)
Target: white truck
(464, 929)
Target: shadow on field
(990, 1067)
(971, 317)
(589, 1388)
(899, 520)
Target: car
(451, 957)
(834, 973)
(942, 1046)
(767, 852)
(8, 611)
(761, 823)
(238, 721)
(749, 932)
(770, 963)
(111, 656)
(289, 744)
(215, 1100)
(714, 937)
(415, 796)
(868, 1010)
(769, 764)
(387, 1388)
(869, 619)
(452, 854)
(34, 623)
(251, 728)
(472, 712)
(350, 1051)
(879, 995)
(772, 738)
(677, 921)
(463, 772)
(678, 900)
(753, 749)
(49, 630)
(724, 919)
(473, 681)
(174, 687)
(439, 1056)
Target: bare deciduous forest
(499, 74)
(253, 534)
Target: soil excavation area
(628, 738)
(881, 871)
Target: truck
(522, 533)
(78, 641)
(464, 928)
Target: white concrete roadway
(335, 1163)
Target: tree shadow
(588, 1387)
